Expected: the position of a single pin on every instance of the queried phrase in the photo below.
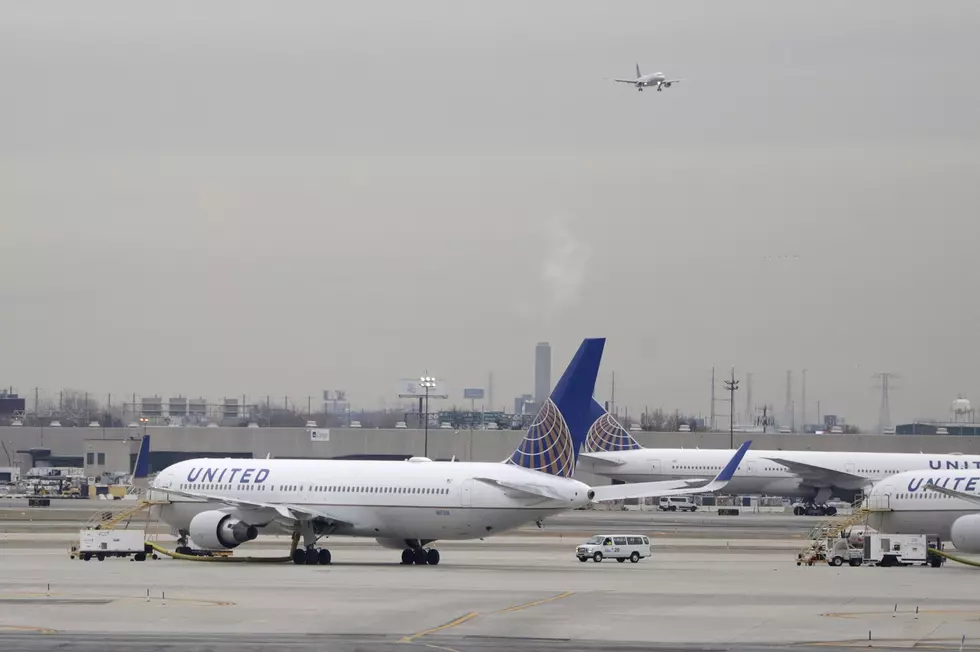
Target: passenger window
(619, 541)
(646, 541)
(633, 541)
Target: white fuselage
(651, 80)
(757, 474)
(902, 505)
(382, 499)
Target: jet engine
(666, 84)
(214, 530)
(965, 533)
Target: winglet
(726, 473)
(141, 469)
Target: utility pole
(803, 407)
(731, 386)
(748, 398)
(714, 425)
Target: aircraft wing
(671, 487)
(971, 498)
(672, 81)
(288, 511)
(626, 81)
(819, 476)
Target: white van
(614, 546)
(677, 504)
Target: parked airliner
(642, 81)
(945, 503)
(813, 476)
(407, 505)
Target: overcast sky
(227, 198)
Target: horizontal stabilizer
(600, 460)
(970, 498)
(523, 487)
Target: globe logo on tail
(547, 446)
(607, 435)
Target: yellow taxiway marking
(453, 623)
(27, 628)
(412, 638)
(537, 602)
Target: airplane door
(466, 493)
(655, 467)
(750, 468)
(849, 467)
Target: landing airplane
(655, 79)
(813, 476)
(218, 504)
(945, 503)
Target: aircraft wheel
(419, 555)
(635, 557)
(408, 556)
(597, 557)
(312, 556)
(830, 510)
(299, 556)
(797, 511)
(432, 557)
(323, 556)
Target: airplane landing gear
(420, 557)
(311, 556)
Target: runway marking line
(28, 628)
(432, 630)
(40, 598)
(537, 602)
(870, 614)
(935, 644)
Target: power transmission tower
(731, 386)
(748, 399)
(884, 412)
(789, 398)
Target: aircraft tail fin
(638, 73)
(141, 470)
(551, 445)
(606, 435)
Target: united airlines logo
(962, 483)
(607, 435)
(231, 476)
(547, 446)
(954, 464)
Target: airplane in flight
(219, 504)
(813, 476)
(642, 81)
(945, 503)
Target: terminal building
(929, 428)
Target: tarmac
(713, 583)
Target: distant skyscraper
(542, 372)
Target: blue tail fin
(606, 434)
(141, 470)
(552, 443)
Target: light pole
(426, 382)
(731, 386)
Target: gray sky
(227, 198)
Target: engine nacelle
(965, 533)
(215, 530)
(666, 84)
